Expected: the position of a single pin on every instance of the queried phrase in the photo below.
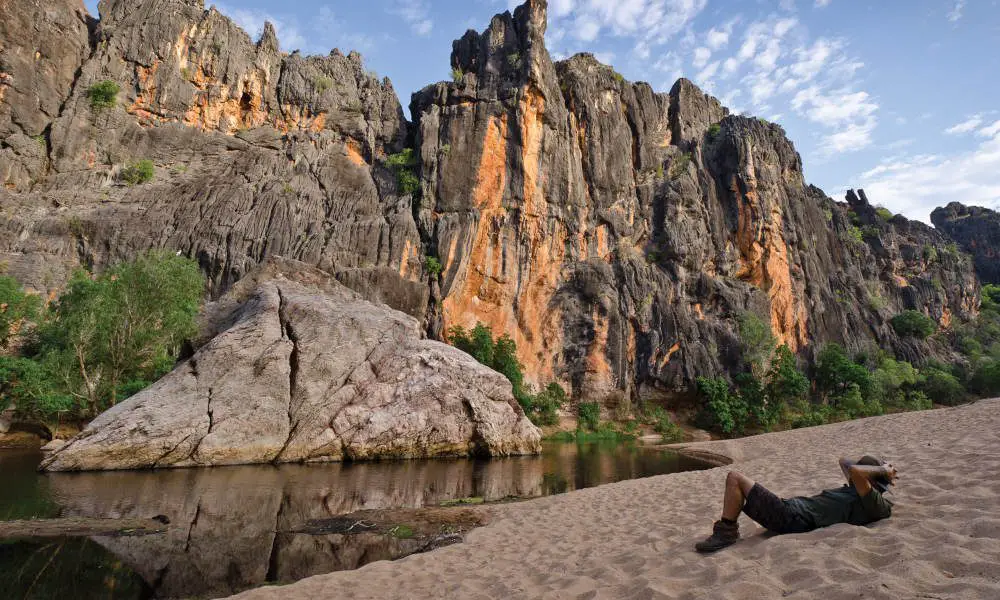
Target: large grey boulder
(301, 369)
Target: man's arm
(861, 475)
(845, 467)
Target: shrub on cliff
(404, 164)
(911, 323)
(138, 172)
(433, 266)
(108, 334)
(103, 94)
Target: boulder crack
(288, 332)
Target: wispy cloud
(956, 13)
(252, 21)
(651, 22)
(967, 126)
(416, 13)
(822, 3)
(916, 184)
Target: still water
(229, 527)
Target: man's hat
(880, 483)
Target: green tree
(546, 404)
(986, 380)
(16, 308)
(757, 343)
(835, 372)
(123, 326)
(30, 386)
(501, 356)
(941, 386)
(911, 323)
(786, 384)
(893, 379)
(721, 409)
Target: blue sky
(900, 97)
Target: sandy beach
(635, 539)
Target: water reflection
(228, 526)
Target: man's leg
(738, 486)
(726, 531)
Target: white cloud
(252, 21)
(956, 12)
(560, 8)
(705, 75)
(967, 126)
(669, 63)
(652, 23)
(822, 3)
(990, 131)
(605, 57)
(718, 37)
(701, 57)
(587, 29)
(917, 184)
(852, 116)
(835, 108)
(415, 13)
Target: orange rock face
(515, 259)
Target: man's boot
(723, 534)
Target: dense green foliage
(103, 94)
(501, 356)
(723, 409)
(433, 266)
(105, 338)
(138, 173)
(589, 416)
(404, 164)
(883, 212)
(16, 308)
(911, 323)
(713, 130)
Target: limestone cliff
(617, 233)
(614, 232)
(977, 231)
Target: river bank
(635, 539)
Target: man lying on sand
(858, 502)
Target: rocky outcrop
(301, 369)
(615, 233)
(257, 154)
(977, 231)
